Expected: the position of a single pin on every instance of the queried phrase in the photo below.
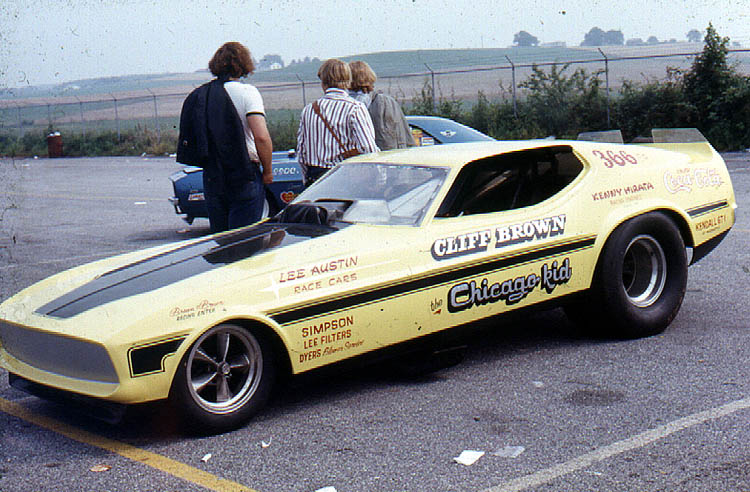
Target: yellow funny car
(387, 248)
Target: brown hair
(363, 78)
(335, 73)
(233, 59)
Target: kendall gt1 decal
(528, 231)
(462, 244)
(686, 179)
(467, 294)
(711, 224)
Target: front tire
(639, 282)
(223, 379)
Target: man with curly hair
(223, 129)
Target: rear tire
(640, 280)
(224, 379)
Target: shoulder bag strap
(316, 108)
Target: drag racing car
(386, 251)
(189, 202)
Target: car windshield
(375, 193)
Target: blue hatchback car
(189, 201)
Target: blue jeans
(234, 205)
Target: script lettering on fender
(688, 178)
(468, 294)
(322, 337)
(202, 308)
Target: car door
(505, 237)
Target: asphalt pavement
(551, 411)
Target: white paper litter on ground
(327, 489)
(468, 457)
(509, 452)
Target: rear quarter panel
(689, 181)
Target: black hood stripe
(178, 264)
(311, 311)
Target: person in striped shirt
(333, 127)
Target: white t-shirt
(246, 100)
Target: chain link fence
(158, 109)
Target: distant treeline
(711, 96)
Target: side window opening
(510, 181)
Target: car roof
(446, 130)
(456, 155)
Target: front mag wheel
(640, 280)
(224, 378)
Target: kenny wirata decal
(468, 294)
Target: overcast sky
(54, 41)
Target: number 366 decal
(612, 158)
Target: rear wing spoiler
(658, 136)
(687, 141)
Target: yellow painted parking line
(157, 461)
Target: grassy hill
(385, 64)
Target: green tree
(709, 77)
(522, 38)
(565, 105)
(693, 35)
(614, 38)
(595, 37)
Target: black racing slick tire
(640, 280)
(223, 379)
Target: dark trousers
(234, 205)
(312, 173)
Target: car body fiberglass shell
(116, 329)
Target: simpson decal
(468, 294)
(528, 231)
(322, 338)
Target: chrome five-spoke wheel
(224, 368)
(224, 378)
